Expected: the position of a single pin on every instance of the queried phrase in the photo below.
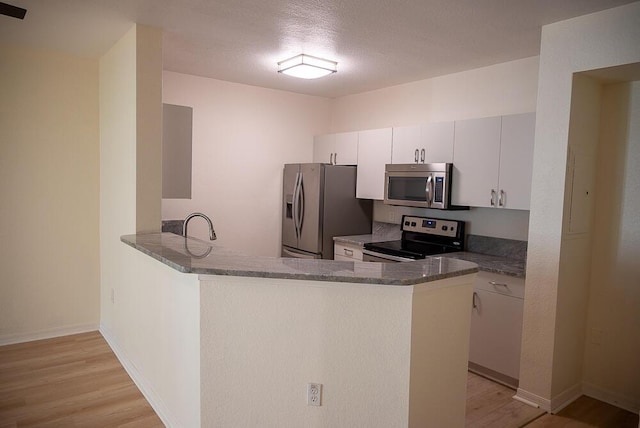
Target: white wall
(612, 367)
(573, 296)
(49, 145)
(149, 312)
(599, 40)
(500, 89)
(242, 137)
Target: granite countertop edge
(420, 272)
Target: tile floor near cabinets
(78, 381)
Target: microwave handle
(428, 189)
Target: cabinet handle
(335, 158)
(501, 198)
(415, 156)
(499, 284)
(474, 305)
(422, 155)
(493, 197)
(330, 158)
(348, 252)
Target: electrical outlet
(314, 394)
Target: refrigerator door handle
(295, 205)
(301, 209)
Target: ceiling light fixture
(307, 67)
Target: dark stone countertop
(191, 255)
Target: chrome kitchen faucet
(212, 233)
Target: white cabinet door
(437, 140)
(406, 144)
(323, 148)
(496, 329)
(516, 160)
(476, 154)
(428, 143)
(374, 152)
(346, 148)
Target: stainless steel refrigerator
(319, 202)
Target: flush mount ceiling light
(307, 67)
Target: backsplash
(500, 247)
(386, 231)
(173, 226)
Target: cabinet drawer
(503, 284)
(348, 251)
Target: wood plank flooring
(71, 381)
(490, 404)
(587, 412)
(77, 381)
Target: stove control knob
(444, 228)
(413, 223)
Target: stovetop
(422, 237)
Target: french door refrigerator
(319, 202)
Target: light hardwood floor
(490, 404)
(77, 381)
(71, 381)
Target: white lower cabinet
(346, 252)
(496, 326)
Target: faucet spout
(212, 233)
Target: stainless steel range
(421, 237)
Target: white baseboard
(143, 384)
(565, 398)
(11, 339)
(532, 399)
(613, 398)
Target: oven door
(372, 256)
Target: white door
(476, 152)
(516, 160)
(374, 152)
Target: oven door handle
(387, 256)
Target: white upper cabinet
(476, 159)
(493, 160)
(374, 152)
(346, 151)
(516, 161)
(406, 144)
(428, 143)
(336, 149)
(323, 148)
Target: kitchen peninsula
(388, 342)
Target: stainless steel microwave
(418, 185)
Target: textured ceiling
(377, 43)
